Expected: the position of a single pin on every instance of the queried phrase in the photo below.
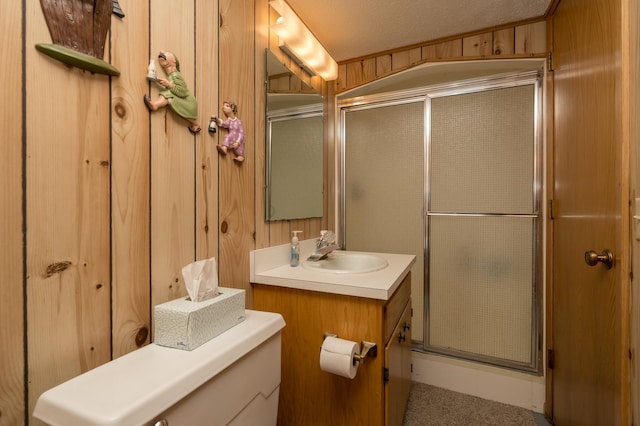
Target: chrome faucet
(325, 245)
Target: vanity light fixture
(299, 43)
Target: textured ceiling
(352, 28)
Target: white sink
(347, 263)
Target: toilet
(233, 379)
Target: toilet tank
(234, 379)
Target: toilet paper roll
(337, 357)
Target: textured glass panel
(384, 175)
(480, 285)
(296, 149)
(482, 152)
(384, 186)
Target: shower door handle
(592, 258)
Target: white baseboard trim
(487, 382)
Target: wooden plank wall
(115, 200)
(287, 83)
(67, 172)
(236, 208)
(519, 40)
(130, 154)
(102, 203)
(11, 254)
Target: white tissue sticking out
(201, 279)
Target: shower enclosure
(452, 173)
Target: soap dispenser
(295, 249)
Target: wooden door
(591, 197)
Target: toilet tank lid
(140, 385)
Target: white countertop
(270, 266)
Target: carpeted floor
(432, 406)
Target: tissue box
(184, 324)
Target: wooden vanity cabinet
(398, 369)
(310, 396)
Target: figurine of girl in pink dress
(235, 139)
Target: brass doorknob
(592, 258)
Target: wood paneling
(530, 39)
(68, 222)
(206, 91)
(384, 64)
(510, 41)
(478, 45)
(12, 388)
(503, 42)
(130, 185)
(117, 200)
(172, 159)
(287, 83)
(446, 49)
(236, 212)
(106, 186)
(361, 71)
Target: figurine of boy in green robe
(176, 93)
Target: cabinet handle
(406, 326)
(401, 337)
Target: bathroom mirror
(294, 144)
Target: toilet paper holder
(366, 349)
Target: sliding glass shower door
(483, 224)
(383, 181)
(452, 174)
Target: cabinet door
(398, 366)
